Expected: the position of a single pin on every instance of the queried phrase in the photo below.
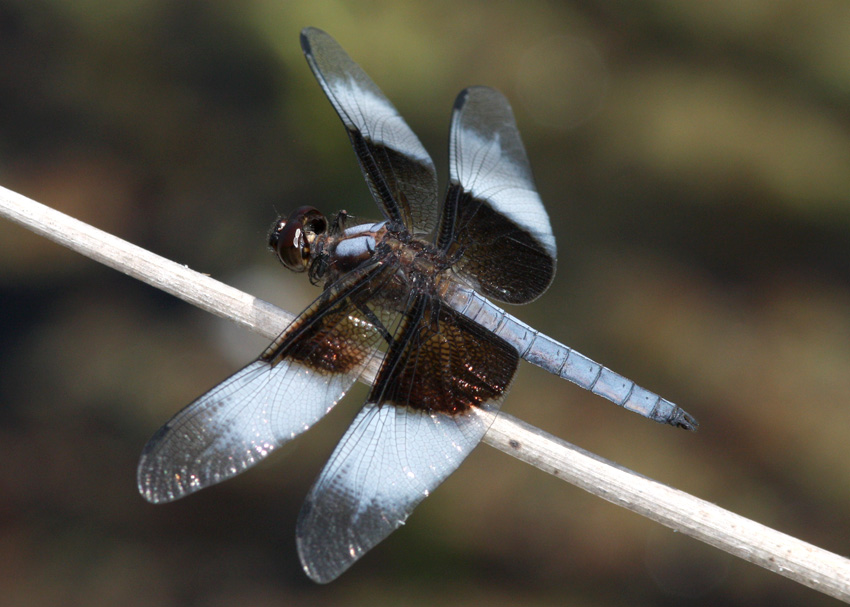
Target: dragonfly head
(294, 239)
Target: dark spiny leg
(370, 316)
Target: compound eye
(288, 242)
(293, 239)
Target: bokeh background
(695, 161)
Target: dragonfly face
(295, 238)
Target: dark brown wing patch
(443, 362)
(333, 335)
(500, 258)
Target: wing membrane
(439, 386)
(492, 210)
(293, 384)
(398, 169)
(389, 460)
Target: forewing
(492, 210)
(438, 390)
(399, 171)
(295, 382)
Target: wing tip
(157, 482)
(481, 92)
(146, 471)
(150, 488)
(145, 485)
(320, 570)
(308, 37)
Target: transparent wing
(296, 381)
(398, 169)
(390, 459)
(439, 387)
(492, 210)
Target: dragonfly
(411, 295)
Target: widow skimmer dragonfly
(408, 293)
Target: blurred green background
(695, 162)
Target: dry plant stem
(788, 556)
